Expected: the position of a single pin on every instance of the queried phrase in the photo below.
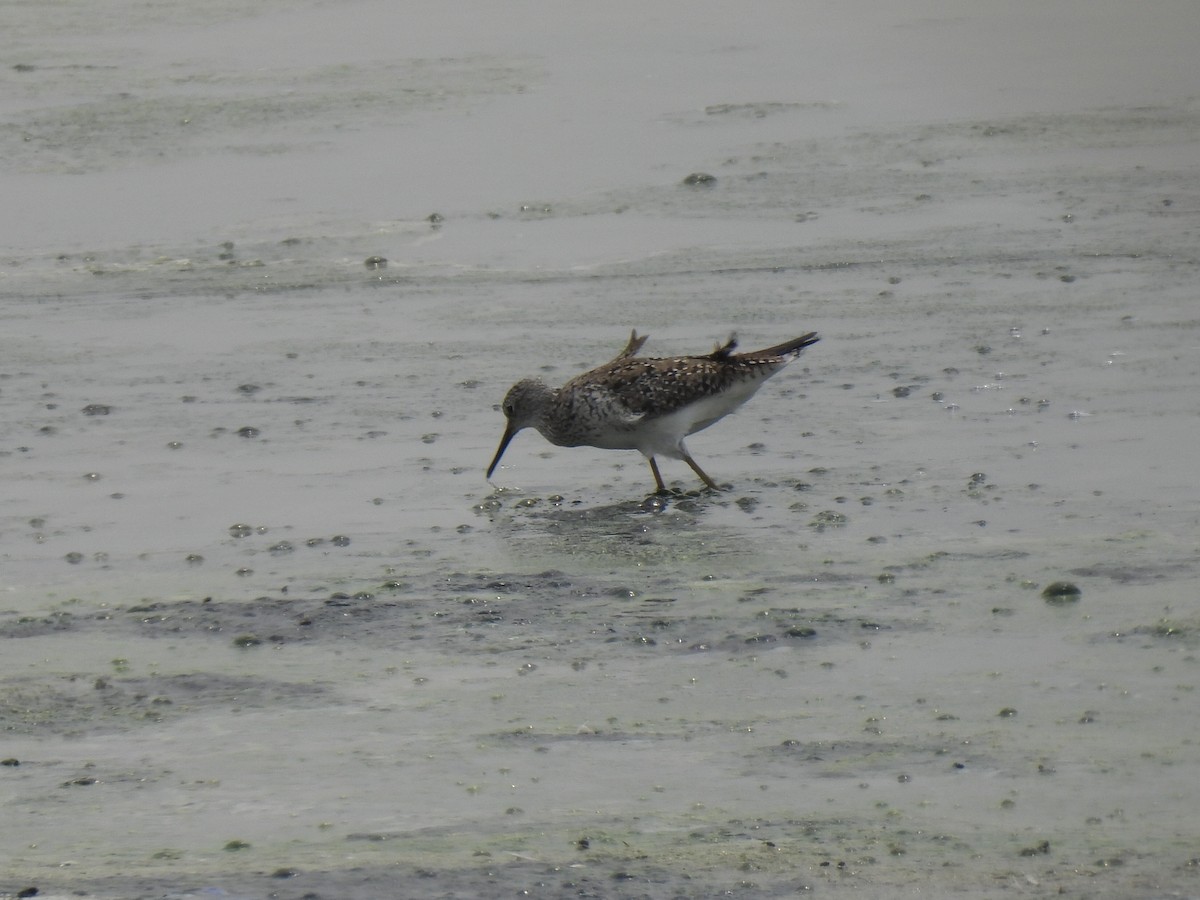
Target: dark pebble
(700, 179)
(653, 504)
(1061, 592)
(801, 631)
(827, 519)
(1040, 850)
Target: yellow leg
(662, 488)
(699, 471)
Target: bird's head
(523, 407)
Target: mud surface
(267, 632)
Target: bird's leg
(699, 471)
(662, 488)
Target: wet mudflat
(266, 631)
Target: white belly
(663, 435)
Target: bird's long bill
(509, 431)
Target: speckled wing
(678, 395)
(649, 388)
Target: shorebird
(651, 405)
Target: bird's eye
(508, 409)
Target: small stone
(800, 631)
(827, 519)
(1061, 592)
(653, 504)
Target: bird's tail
(790, 348)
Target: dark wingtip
(726, 351)
(635, 344)
(792, 347)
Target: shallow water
(267, 630)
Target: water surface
(267, 630)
